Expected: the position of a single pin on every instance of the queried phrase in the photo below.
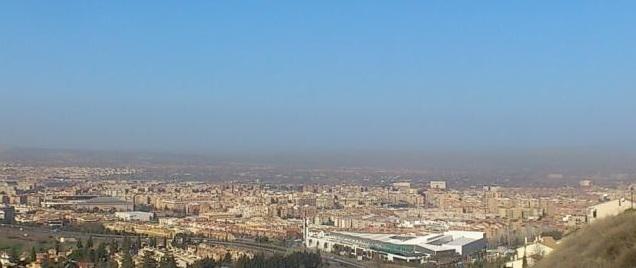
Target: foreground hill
(608, 242)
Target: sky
(304, 76)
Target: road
(246, 244)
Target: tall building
(7, 214)
(441, 185)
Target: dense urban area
(87, 216)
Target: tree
(127, 261)
(89, 242)
(137, 245)
(204, 263)
(296, 259)
(114, 246)
(77, 255)
(90, 255)
(100, 253)
(45, 263)
(125, 246)
(556, 234)
(112, 264)
(58, 246)
(153, 242)
(228, 257)
(149, 261)
(33, 255)
(168, 261)
(14, 255)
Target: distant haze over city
(567, 160)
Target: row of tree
(102, 255)
(294, 260)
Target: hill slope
(608, 242)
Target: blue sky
(210, 76)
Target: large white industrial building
(392, 247)
(134, 215)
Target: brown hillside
(609, 242)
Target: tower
(305, 231)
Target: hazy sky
(328, 75)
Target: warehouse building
(393, 247)
(134, 216)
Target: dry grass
(609, 242)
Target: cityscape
(317, 134)
(87, 215)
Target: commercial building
(394, 247)
(105, 204)
(402, 185)
(134, 216)
(441, 185)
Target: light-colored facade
(441, 185)
(393, 247)
(134, 216)
(532, 252)
(609, 208)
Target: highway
(246, 244)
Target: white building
(402, 185)
(5, 260)
(609, 208)
(134, 216)
(392, 247)
(438, 185)
(534, 251)
(168, 221)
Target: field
(24, 240)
